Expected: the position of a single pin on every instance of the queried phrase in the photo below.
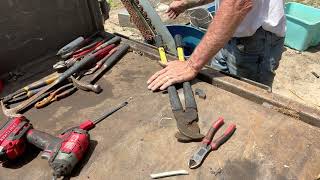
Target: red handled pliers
(207, 145)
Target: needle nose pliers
(207, 145)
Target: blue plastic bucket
(191, 36)
(303, 26)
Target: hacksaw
(149, 23)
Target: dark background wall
(30, 29)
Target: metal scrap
(200, 93)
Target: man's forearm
(195, 3)
(228, 17)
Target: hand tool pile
(92, 57)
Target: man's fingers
(153, 77)
(172, 15)
(168, 10)
(170, 82)
(159, 80)
(167, 84)
(159, 83)
(169, 14)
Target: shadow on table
(77, 169)
(30, 154)
(246, 169)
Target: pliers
(208, 145)
(28, 91)
(186, 119)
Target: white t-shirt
(268, 14)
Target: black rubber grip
(76, 67)
(114, 40)
(42, 140)
(178, 40)
(188, 96)
(174, 99)
(113, 59)
(116, 56)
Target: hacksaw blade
(149, 23)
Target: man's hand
(228, 17)
(175, 72)
(176, 7)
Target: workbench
(139, 139)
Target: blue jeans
(255, 57)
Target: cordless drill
(12, 138)
(62, 152)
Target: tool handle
(55, 95)
(64, 94)
(122, 50)
(113, 59)
(223, 138)
(73, 44)
(89, 58)
(86, 51)
(98, 52)
(190, 101)
(41, 83)
(162, 52)
(174, 99)
(105, 58)
(42, 140)
(178, 41)
(30, 90)
(76, 67)
(24, 96)
(212, 131)
(114, 40)
(93, 43)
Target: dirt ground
(293, 80)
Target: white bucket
(200, 18)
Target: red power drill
(12, 138)
(66, 150)
(63, 152)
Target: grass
(114, 4)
